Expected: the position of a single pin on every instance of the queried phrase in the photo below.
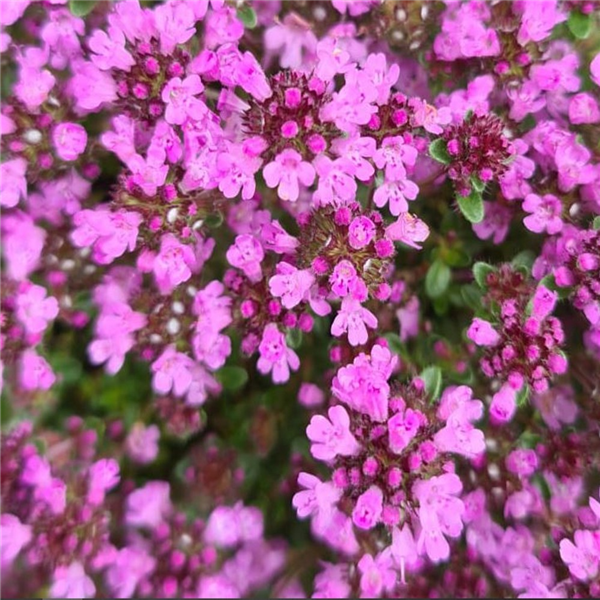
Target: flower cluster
(243, 286)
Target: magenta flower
(404, 549)
(343, 278)
(396, 194)
(361, 232)
(403, 427)
(180, 99)
(109, 50)
(354, 319)
(504, 404)
(72, 582)
(583, 556)
(247, 254)
(142, 443)
(70, 140)
(336, 183)
(290, 284)
(368, 508)
(15, 536)
(275, 356)
(546, 213)
(377, 575)
(173, 264)
(317, 499)
(34, 372)
(172, 371)
(393, 155)
(148, 506)
(34, 309)
(482, 333)
(331, 437)
(408, 229)
(286, 171)
(583, 109)
(13, 184)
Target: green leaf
(247, 16)
(480, 272)
(438, 150)
(81, 8)
(432, 377)
(596, 223)
(437, 279)
(232, 378)
(523, 396)
(293, 338)
(524, 260)
(395, 344)
(471, 206)
(579, 25)
(477, 184)
(471, 296)
(214, 220)
(456, 257)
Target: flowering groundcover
(300, 298)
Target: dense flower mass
(388, 210)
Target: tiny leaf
(477, 184)
(480, 272)
(432, 377)
(293, 338)
(438, 150)
(596, 223)
(247, 16)
(81, 8)
(437, 279)
(524, 260)
(232, 378)
(471, 206)
(394, 342)
(523, 396)
(579, 25)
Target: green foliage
(579, 25)
(437, 279)
(471, 206)
(480, 272)
(247, 16)
(232, 378)
(432, 377)
(81, 8)
(438, 150)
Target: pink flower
(247, 254)
(336, 183)
(583, 109)
(142, 443)
(393, 155)
(522, 462)
(377, 574)
(482, 333)
(174, 263)
(408, 229)
(368, 508)
(92, 87)
(354, 319)
(595, 69)
(290, 284)
(15, 536)
(127, 569)
(583, 556)
(33, 86)
(331, 437)
(538, 20)
(343, 278)
(34, 309)
(361, 232)
(216, 586)
(148, 506)
(34, 372)
(395, 194)
(70, 140)
(286, 171)
(404, 549)
(72, 582)
(13, 184)
(275, 356)
(543, 302)
(109, 50)
(310, 395)
(496, 222)
(175, 24)
(172, 371)
(317, 499)
(403, 427)
(546, 212)
(180, 99)
(504, 405)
